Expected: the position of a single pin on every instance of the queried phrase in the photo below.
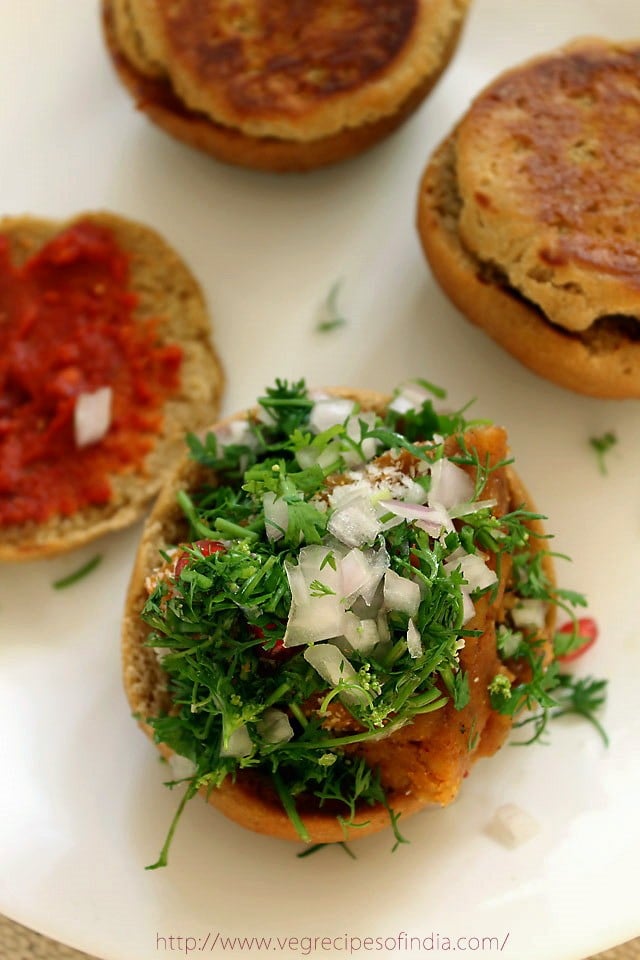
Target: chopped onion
(313, 618)
(92, 416)
(414, 641)
(431, 519)
(274, 727)
(241, 434)
(383, 628)
(333, 667)
(362, 635)
(468, 609)
(464, 509)
(322, 618)
(474, 570)
(413, 492)
(530, 613)
(354, 525)
(239, 744)
(438, 522)
(354, 431)
(276, 515)
(450, 485)
(512, 826)
(327, 413)
(401, 594)
(411, 396)
(309, 456)
(181, 767)
(362, 571)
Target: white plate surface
(82, 806)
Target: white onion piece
(530, 613)
(92, 416)
(239, 744)
(354, 431)
(383, 628)
(313, 618)
(362, 635)
(310, 457)
(354, 525)
(411, 396)
(414, 641)
(265, 416)
(401, 594)
(314, 562)
(512, 826)
(274, 727)
(240, 433)
(327, 413)
(379, 564)
(362, 571)
(181, 767)
(322, 618)
(276, 515)
(474, 570)
(333, 667)
(465, 509)
(439, 521)
(468, 609)
(413, 492)
(432, 517)
(450, 485)
(297, 584)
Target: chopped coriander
(602, 445)
(330, 316)
(78, 574)
(226, 621)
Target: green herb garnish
(78, 574)
(602, 445)
(331, 316)
(221, 621)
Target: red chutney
(66, 328)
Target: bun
(285, 86)
(165, 290)
(526, 216)
(421, 764)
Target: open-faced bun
(421, 764)
(168, 303)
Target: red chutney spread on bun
(69, 333)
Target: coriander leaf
(601, 446)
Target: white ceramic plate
(82, 806)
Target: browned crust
(547, 169)
(601, 362)
(249, 801)
(155, 97)
(167, 290)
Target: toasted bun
(491, 230)
(549, 175)
(282, 86)
(168, 291)
(422, 764)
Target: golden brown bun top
(548, 166)
(288, 68)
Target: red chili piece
(587, 630)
